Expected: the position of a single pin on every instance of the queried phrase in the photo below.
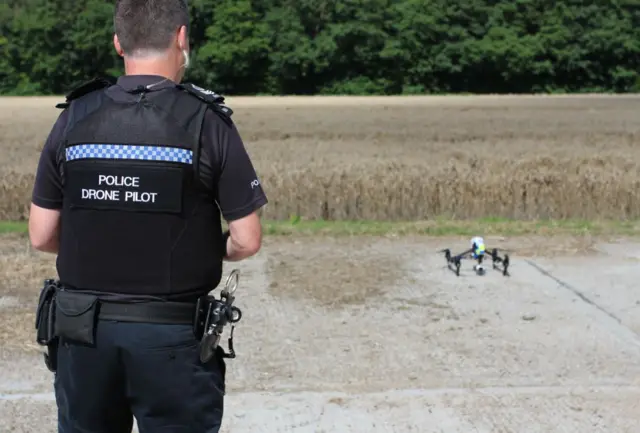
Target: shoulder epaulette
(86, 88)
(212, 99)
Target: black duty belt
(170, 313)
(71, 315)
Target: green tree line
(345, 46)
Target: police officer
(129, 193)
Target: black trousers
(149, 371)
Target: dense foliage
(345, 46)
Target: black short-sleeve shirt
(226, 166)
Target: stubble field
(371, 333)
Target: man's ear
(118, 47)
(183, 38)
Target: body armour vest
(136, 220)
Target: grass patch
(442, 227)
(436, 227)
(13, 227)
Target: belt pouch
(202, 311)
(76, 315)
(45, 316)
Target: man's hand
(245, 237)
(44, 229)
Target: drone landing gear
(453, 260)
(496, 259)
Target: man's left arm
(46, 199)
(238, 191)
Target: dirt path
(375, 335)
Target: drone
(477, 252)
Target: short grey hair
(147, 26)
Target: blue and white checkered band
(128, 151)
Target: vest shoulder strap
(212, 99)
(86, 88)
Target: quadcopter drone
(476, 252)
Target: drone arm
(464, 254)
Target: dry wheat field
(410, 158)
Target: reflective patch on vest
(147, 181)
(127, 151)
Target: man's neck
(151, 66)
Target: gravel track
(552, 348)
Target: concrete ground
(376, 335)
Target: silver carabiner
(231, 284)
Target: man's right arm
(239, 193)
(46, 200)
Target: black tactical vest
(136, 219)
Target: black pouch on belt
(76, 316)
(45, 313)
